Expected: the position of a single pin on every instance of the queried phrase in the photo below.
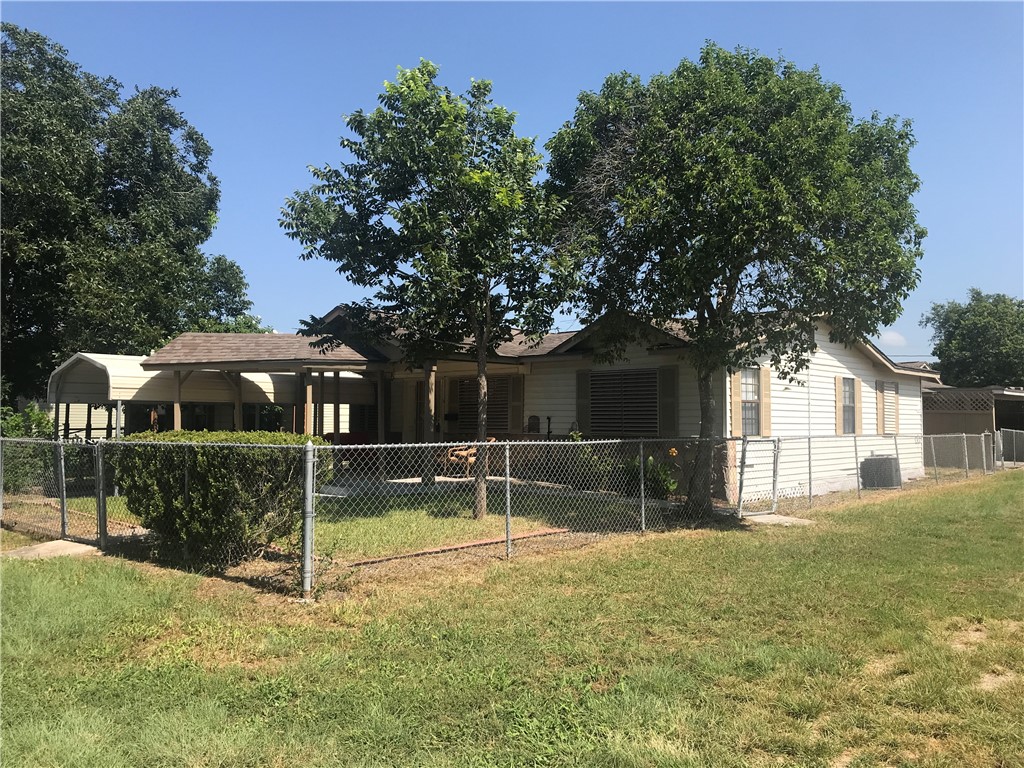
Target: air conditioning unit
(880, 472)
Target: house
(538, 389)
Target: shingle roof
(521, 346)
(192, 349)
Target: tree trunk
(428, 421)
(698, 496)
(480, 466)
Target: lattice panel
(958, 401)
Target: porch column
(307, 411)
(429, 381)
(320, 405)
(239, 425)
(337, 407)
(176, 425)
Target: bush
(659, 478)
(31, 421)
(211, 504)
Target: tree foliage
(980, 343)
(105, 202)
(738, 198)
(437, 209)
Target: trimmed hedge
(213, 498)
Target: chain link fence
(287, 515)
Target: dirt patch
(882, 666)
(998, 678)
(845, 759)
(966, 638)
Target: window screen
(624, 402)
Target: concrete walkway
(777, 520)
(52, 549)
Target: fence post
(743, 470)
(309, 464)
(643, 500)
(856, 464)
(899, 467)
(775, 474)
(935, 462)
(62, 490)
(810, 473)
(967, 461)
(101, 498)
(508, 505)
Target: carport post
(62, 489)
(984, 457)
(101, 498)
(967, 461)
(309, 464)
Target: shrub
(31, 421)
(659, 478)
(211, 504)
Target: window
(849, 407)
(497, 404)
(750, 401)
(624, 402)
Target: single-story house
(555, 387)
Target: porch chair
(463, 457)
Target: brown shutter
(735, 405)
(766, 401)
(839, 405)
(515, 404)
(583, 401)
(668, 396)
(896, 409)
(858, 400)
(879, 407)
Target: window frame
(755, 405)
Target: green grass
(859, 641)
(368, 526)
(16, 539)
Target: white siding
(808, 408)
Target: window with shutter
(497, 404)
(624, 402)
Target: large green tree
(105, 202)
(437, 210)
(737, 197)
(980, 343)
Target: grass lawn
(888, 634)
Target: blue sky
(267, 83)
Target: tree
(980, 343)
(738, 198)
(105, 202)
(437, 209)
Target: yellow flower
(673, 452)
